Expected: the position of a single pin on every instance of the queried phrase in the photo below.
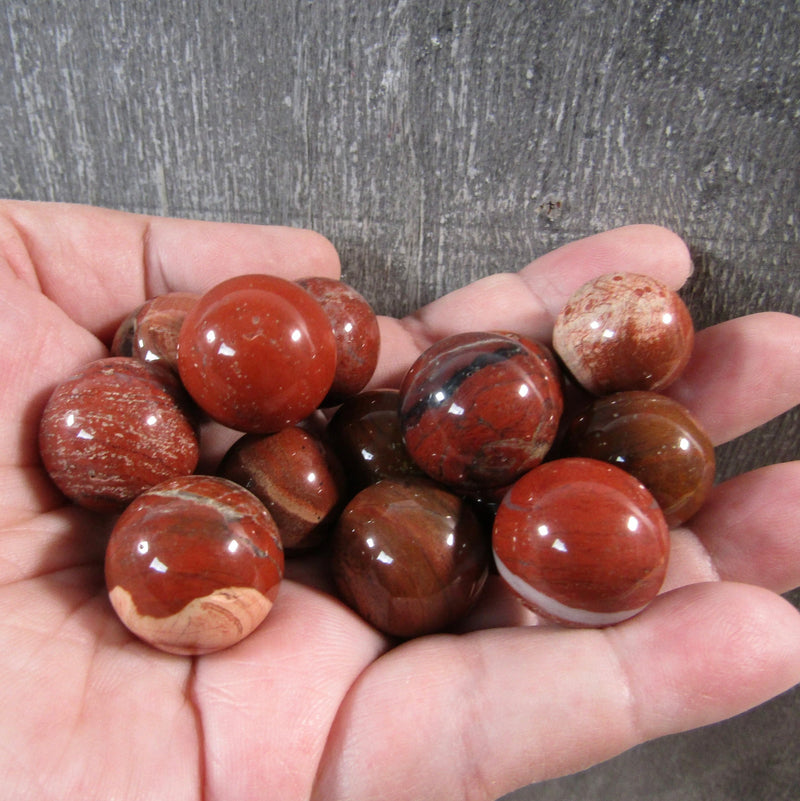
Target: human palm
(316, 703)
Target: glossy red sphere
(581, 542)
(409, 557)
(365, 431)
(151, 332)
(479, 409)
(194, 565)
(114, 429)
(295, 476)
(655, 439)
(355, 328)
(257, 353)
(624, 331)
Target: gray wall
(437, 142)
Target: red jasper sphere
(409, 557)
(295, 476)
(194, 565)
(655, 439)
(150, 333)
(257, 353)
(365, 431)
(479, 409)
(581, 542)
(624, 331)
(355, 328)
(114, 429)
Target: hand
(316, 704)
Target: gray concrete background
(437, 142)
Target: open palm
(316, 703)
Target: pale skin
(316, 704)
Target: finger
(60, 727)
(483, 714)
(528, 301)
(64, 538)
(498, 606)
(689, 561)
(749, 527)
(99, 264)
(40, 347)
(742, 373)
(268, 703)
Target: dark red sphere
(114, 429)
(624, 331)
(257, 353)
(365, 432)
(409, 557)
(194, 565)
(355, 328)
(295, 476)
(655, 439)
(151, 332)
(479, 409)
(581, 542)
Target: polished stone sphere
(409, 557)
(365, 432)
(479, 409)
(581, 542)
(257, 353)
(151, 332)
(114, 429)
(355, 329)
(194, 565)
(624, 331)
(655, 439)
(295, 476)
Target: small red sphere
(479, 409)
(409, 557)
(257, 353)
(365, 431)
(194, 565)
(114, 429)
(355, 328)
(581, 542)
(150, 333)
(295, 476)
(624, 331)
(655, 439)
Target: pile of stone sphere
(559, 465)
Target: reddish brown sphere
(409, 557)
(194, 565)
(624, 331)
(581, 542)
(151, 332)
(257, 353)
(655, 439)
(114, 429)
(365, 431)
(479, 409)
(355, 328)
(295, 476)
